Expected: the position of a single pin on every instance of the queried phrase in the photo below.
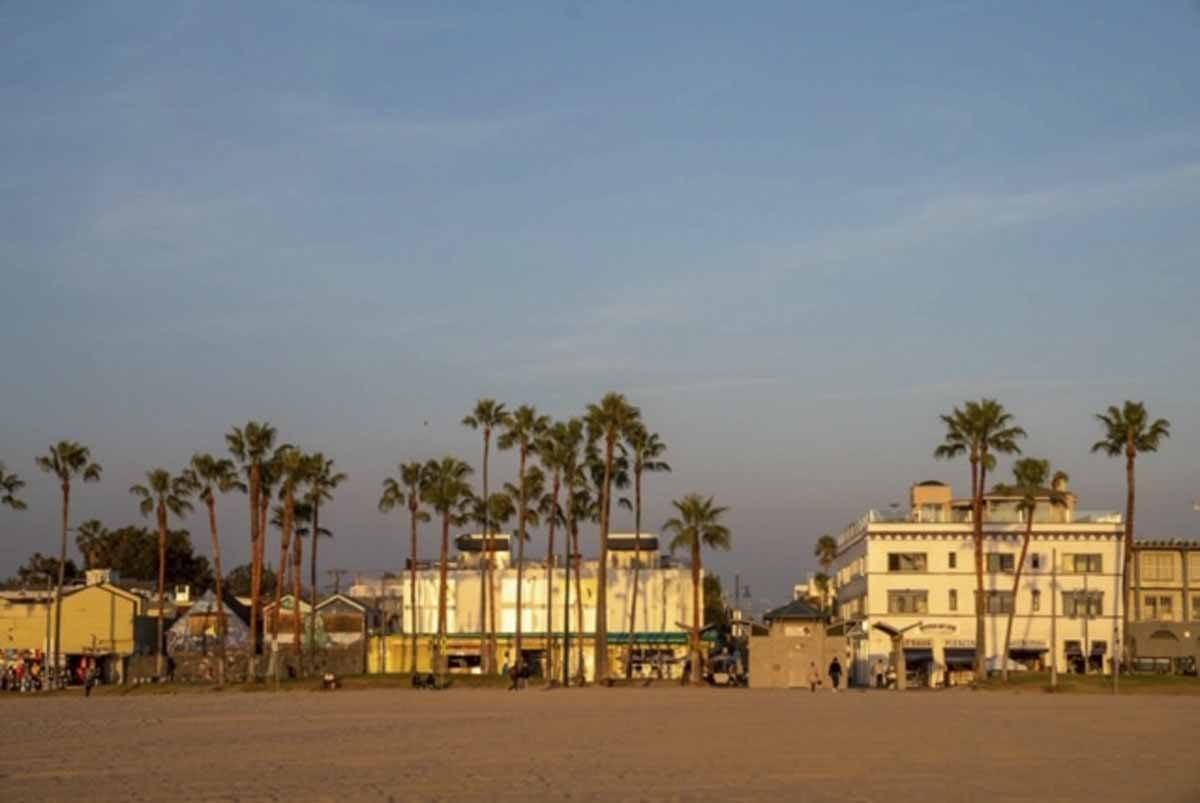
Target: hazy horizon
(792, 236)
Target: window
(953, 600)
(1084, 564)
(999, 602)
(1158, 566)
(908, 601)
(1195, 608)
(1035, 561)
(1000, 563)
(1159, 608)
(906, 561)
(1035, 600)
(953, 560)
(1089, 604)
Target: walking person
(814, 676)
(879, 673)
(835, 673)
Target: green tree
(980, 430)
(10, 485)
(1128, 432)
(206, 477)
(66, 460)
(91, 539)
(251, 446)
(397, 492)
(44, 567)
(447, 491)
(825, 551)
(238, 581)
(325, 480)
(715, 612)
(822, 582)
(524, 430)
(1030, 476)
(162, 494)
(697, 525)
(607, 421)
(645, 448)
(488, 416)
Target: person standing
(835, 673)
(879, 673)
(814, 676)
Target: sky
(793, 234)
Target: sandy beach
(589, 744)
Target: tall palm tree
(563, 450)
(293, 470)
(1128, 432)
(66, 460)
(488, 416)
(89, 539)
(162, 494)
(407, 490)
(825, 551)
(606, 422)
(10, 484)
(821, 581)
(557, 454)
(251, 447)
(645, 449)
(582, 505)
(445, 489)
(1029, 482)
(980, 430)
(208, 476)
(696, 525)
(524, 430)
(324, 482)
(527, 517)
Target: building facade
(659, 641)
(795, 646)
(1164, 612)
(906, 581)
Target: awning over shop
(960, 658)
(917, 655)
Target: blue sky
(793, 234)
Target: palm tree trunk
(550, 674)
(637, 565)
(520, 655)
(216, 546)
(255, 574)
(439, 653)
(696, 613)
(576, 559)
(162, 586)
(412, 588)
(312, 577)
(486, 639)
(1016, 588)
(284, 542)
(1119, 649)
(978, 472)
(601, 641)
(297, 616)
(62, 567)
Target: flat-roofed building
(1164, 600)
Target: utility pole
(337, 575)
(1054, 618)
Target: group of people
(28, 673)
(885, 676)
(22, 675)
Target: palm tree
(488, 415)
(557, 454)
(606, 421)
(562, 450)
(825, 551)
(527, 517)
(646, 448)
(446, 490)
(251, 447)
(698, 524)
(324, 482)
(10, 484)
(821, 581)
(1029, 482)
(293, 470)
(525, 429)
(394, 495)
(980, 430)
(208, 476)
(66, 460)
(583, 505)
(1129, 431)
(162, 494)
(89, 539)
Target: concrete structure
(664, 609)
(1164, 600)
(795, 642)
(906, 581)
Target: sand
(613, 744)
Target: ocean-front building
(905, 581)
(1164, 621)
(659, 639)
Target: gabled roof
(285, 602)
(332, 598)
(208, 604)
(796, 609)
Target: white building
(907, 581)
(664, 603)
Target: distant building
(1164, 627)
(906, 581)
(795, 644)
